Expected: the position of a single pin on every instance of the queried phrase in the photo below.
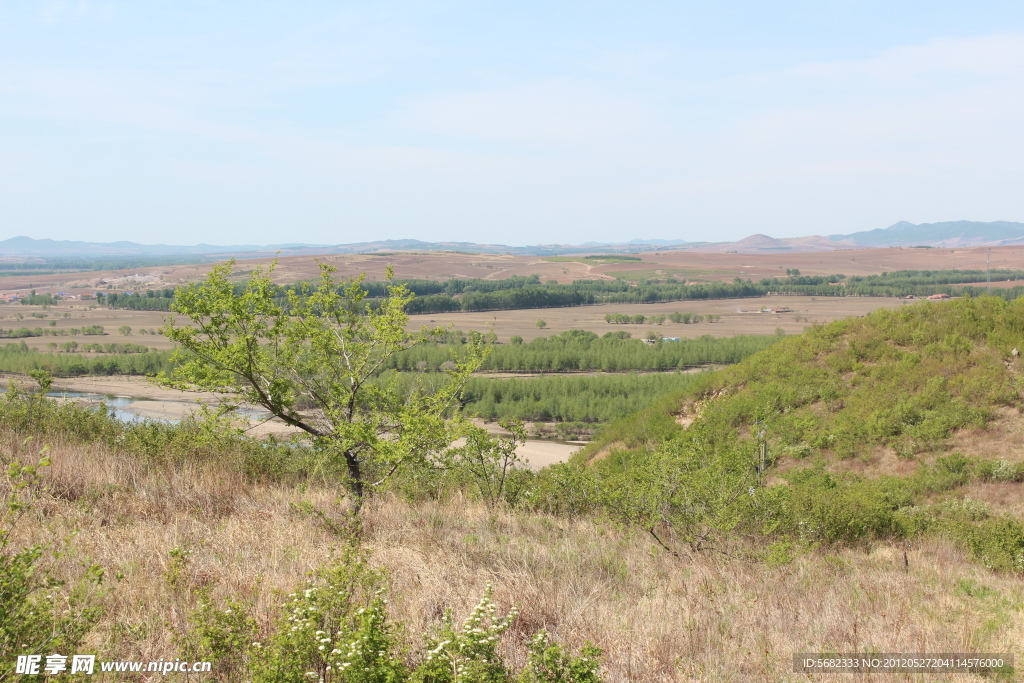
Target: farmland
(739, 316)
(686, 264)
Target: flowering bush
(467, 654)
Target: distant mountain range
(29, 247)
(902, 234)
(947, 234)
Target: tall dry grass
(161, 531)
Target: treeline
(152, 300)
(581, 399)
(896, 283)
(579, 350)
(580, 293)
(640, 318)
(526, 292)
(21, 332)
(19, 358)
(601, 398)
(72, 346)
(34, 299)
(937, 277)
(102, 263)
(519, 292)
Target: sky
(505, 122)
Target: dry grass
(658, 618)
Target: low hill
(945, 234)
(902, 425)
(904, 382)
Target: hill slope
(903, 381)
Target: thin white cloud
(546, 113)
(921, 132)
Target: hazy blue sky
(510, 122)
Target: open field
(739, 316)
(442, 266)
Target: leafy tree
(125, 330)
(542, 324)
(489, 459)
(313, 359)
(43, 378)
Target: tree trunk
(355, 482)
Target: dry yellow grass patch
(657, 617)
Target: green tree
(542, 324)
(489, 459)
(313, 358)
(125, 330)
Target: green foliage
(590, 399)
(579, 350)
(222, 633)
(904, 379)
(22, 332)
(19, 358)
(820, 509)
(549, 663)
(695, 490)
(335, 626)
(152, 300)
(467, 654)
(311, 363)
(200, 437)
(43, 378)
(489, 461)
(646, 429)
(39, 299)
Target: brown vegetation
(163, 531)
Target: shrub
(38, 614)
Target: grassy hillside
(173, 541)
(902, 381)
(897, 427)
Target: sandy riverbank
(153, 401)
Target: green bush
(38, 614)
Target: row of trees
(519, 292)
(19, 358)
(152, 300)
(580, 350)
(21, 332)
(640, 318)
(568, 399)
